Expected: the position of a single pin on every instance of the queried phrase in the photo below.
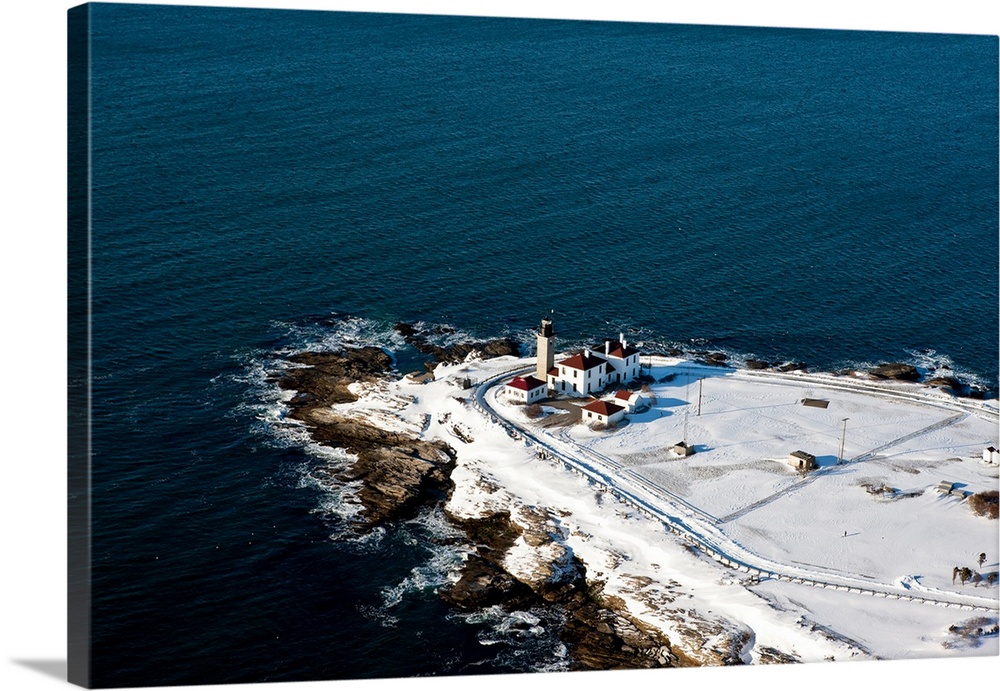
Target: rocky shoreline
(400, 474)
(892, 371)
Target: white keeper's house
(582, 374)
(586, 372)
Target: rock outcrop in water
(321, 380)
(897, 371)
(457, 352)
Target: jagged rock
(948, 383)
(897, 371)
(400, 473)
(455, 353)
(324, 380)
(757, 364)
(599, 635)
(483, 584)
(399, 480)
(405, 330)
(716, 359)
(601, 638)
(541, 558)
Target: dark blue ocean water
(822, 196)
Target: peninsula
(700, 513)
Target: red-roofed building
(526, 389)
(587, 372)
(583, 373)
(630, 400)
(602, 412)
(623, 360)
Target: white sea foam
(529, 636)
(440, 568)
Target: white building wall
(520, 395)
(627, 368)
(592, 418)
(515, 394)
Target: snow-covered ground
(738, 494)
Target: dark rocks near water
(483, 584)
(951, 384)
(715, 359)
(322, 379)
(420, 340)
(602, 638)
(599, 635)
(897, 371)
(400, 474)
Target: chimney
(586, 353)
(621, 338)
(607, 347)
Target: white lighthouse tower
(545, 351)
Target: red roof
(582, 362)
(623, 394)
(620, 351)
(603, 408)
(525, 383)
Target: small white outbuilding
(629, 400)
(526, 389)
(991, 455)
(602, 412)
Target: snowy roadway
(701, 529)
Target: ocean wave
(335, 332)
(528, 640)
(441, 553)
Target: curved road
(699, 528)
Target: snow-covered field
(738, 494)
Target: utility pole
(700, 382)
(687, 400)
(843, 437)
